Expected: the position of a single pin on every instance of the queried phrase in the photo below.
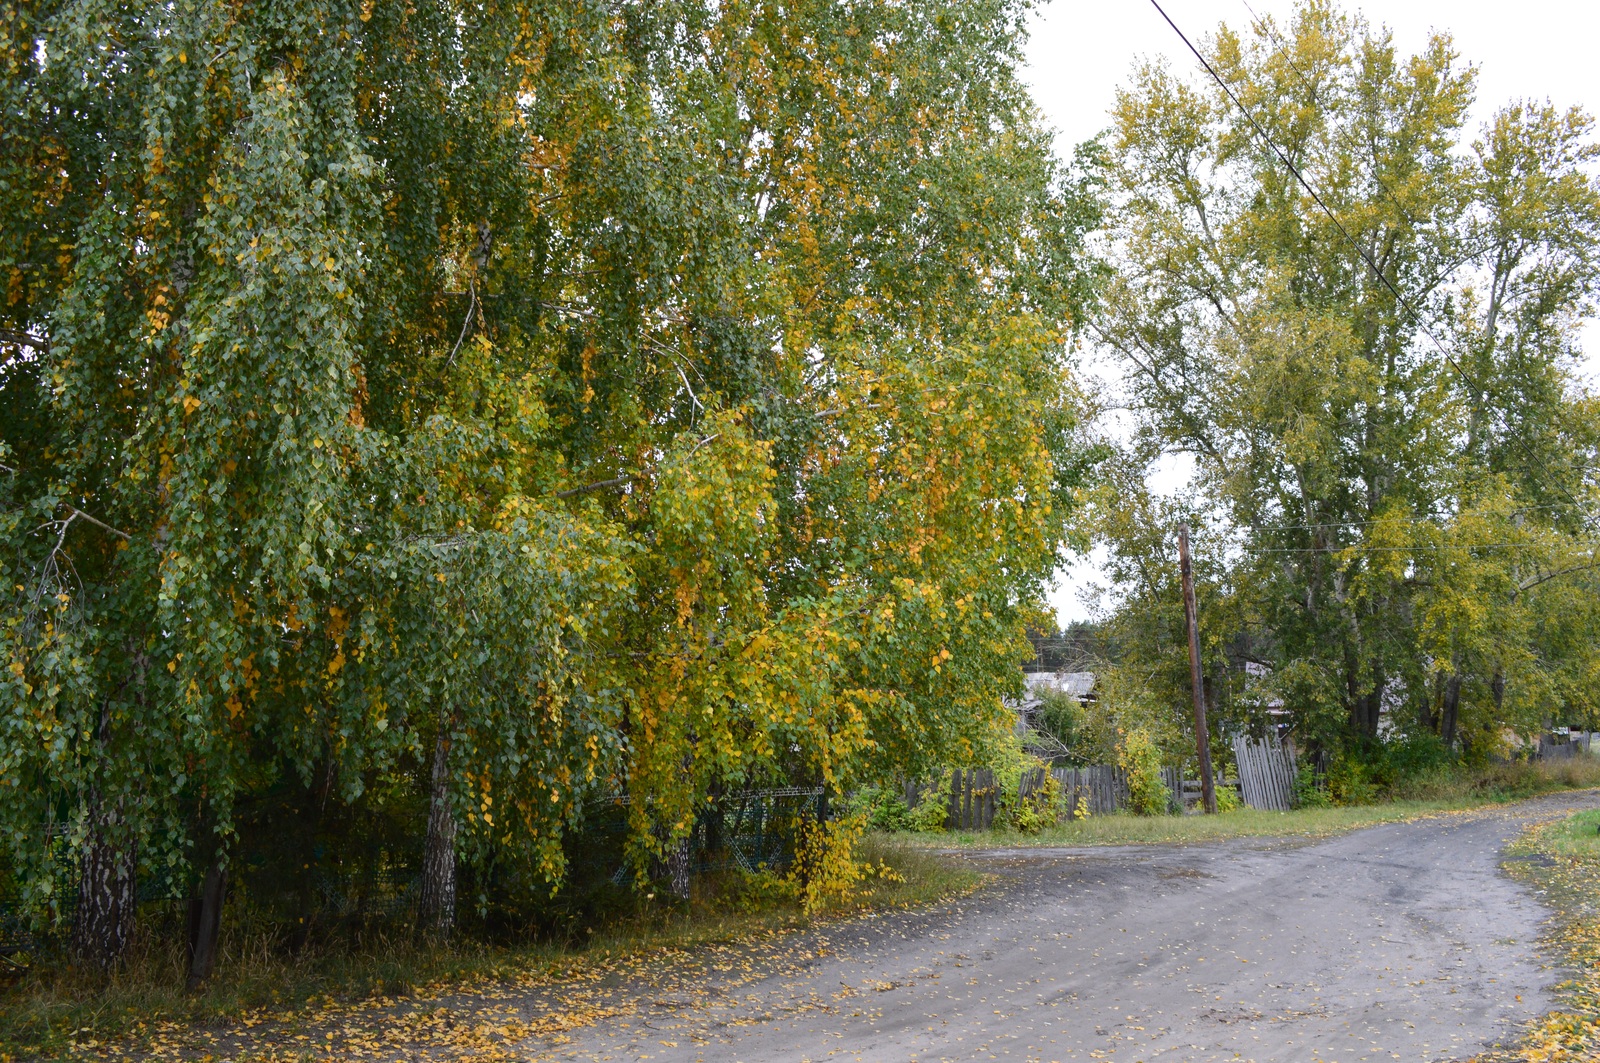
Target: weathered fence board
(1187, 793)
(1552, 750)
(1099, 788)
(972, 799)
(1266, 773)
(1172, 779)
(970, 795)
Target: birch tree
(516, 405)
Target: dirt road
(1403, 942)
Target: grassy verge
(1121, 829)
(1420, 797)
(1562, 861)
(56, 1011)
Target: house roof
(1078, 684)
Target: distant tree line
(1360, 320)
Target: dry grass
(1503, 782)
(1562, 860)
(53, 1007)
(1122, 829)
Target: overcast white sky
(1081, 50)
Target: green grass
(1422, 797)
(1562, 861)
(53, 1006)
(1577, 838)
(1123, 829)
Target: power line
(1363, 549)
(1283, 48)
(1388, 520)
(1365, 257)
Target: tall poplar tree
(1394, 449)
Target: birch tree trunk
(103, 923)
(436, 902)
(678, 860)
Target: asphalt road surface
(1403, 942)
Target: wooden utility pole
(1202, 741)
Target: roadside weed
(1562, 860)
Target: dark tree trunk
(713, 821)
(103, 923)
(1352, 681)
(1449, 713)
(205, 922)
(1367, 710)
(1429, 716)
(436, 899)
(1375, 705)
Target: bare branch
(76, 513)
(24, 339)
(1533, 581)
(692, 396)
(471, 306)
(615, 481)
(97, 522)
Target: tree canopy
(1378, 385)
(463, 413)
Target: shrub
(760, 890)
(1061, 715)
(891, 814)
(1308, 793)
(1138, 756)
(1041, 809)
(1350, 781)
(930, 814)
(883, 807)
(825, 867)
(1228, 799)
(1010, 762)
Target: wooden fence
(1266, 780)
(1266, 773)
(1549, 750)
(1578, 743)
(972, 794)
(1100, 788)
(1188, 793)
